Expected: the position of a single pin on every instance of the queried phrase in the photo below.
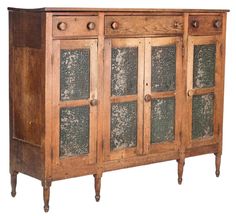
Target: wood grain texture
(27, 29)
(35, 45)
(74, 26)
(55, 9)
(143, 25)
(27, 93)
(206, 25)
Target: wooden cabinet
(94, 90)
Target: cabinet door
(123, 95)
(203, 78)
(74, 102)
(163, 94)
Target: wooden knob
(62, 26)
(148, 98)
(195, 24)
(217, 23)
(91, 26)
(190, 93)
(176, 24)
(94, 102)
(115, 25)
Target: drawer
(205, 25)
(75, 26)
(143, 25)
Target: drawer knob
(195, 24)
(176, 24)
(147, 98)
(91, 26)
(94, 102)
(62, 26)
(217, 23)
(115, 25)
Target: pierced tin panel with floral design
(74, 131)
(163, 120)
(204, 66)
(163, 66)
(203, 116)
(75, 75)
(124, 71)
(123, 125)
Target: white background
(146, 190)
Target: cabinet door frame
(178, 93)
(57, 104)
(191, 91)
(108, 99)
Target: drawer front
(205, 25)
(75, 26)
(143, 25)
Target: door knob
(190, 93)
(148, 97)
(94, 102)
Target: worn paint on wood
(123, 125)
(202, 116)
(204, 66)
(124, 71)
(75, 73)
(163, 68)
(162, 120)
(74, 131)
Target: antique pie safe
(93, 90)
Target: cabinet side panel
(27, 94)
(26, 29)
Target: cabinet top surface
(51, 9)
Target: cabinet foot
(217, 163)
(46, 195)
(13, 183)
(181, 164)
(97, 184)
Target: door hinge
(221, 49)
(102, 145)
(183, 50)
(218, 131)
(51, 153)
(180, 136)
(52, 57)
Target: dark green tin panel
(163, 68)
(74, 131)
(203, 116)
(123, 125)
(124, 71)
(74, 74)
(204, 66)
(163, 120)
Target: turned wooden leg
(46, 195)
(217, 162)
(97, 184)
(181, 163)
(13, 183)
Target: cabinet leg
(46, 195)
(217, 162)
(181, 164)
(13, 183)
(97, 184)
